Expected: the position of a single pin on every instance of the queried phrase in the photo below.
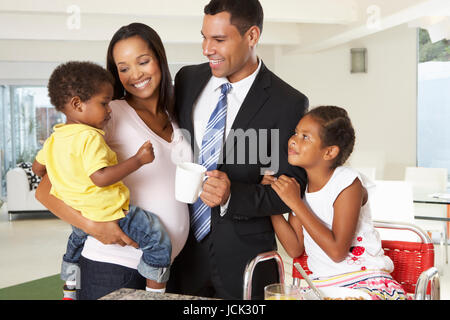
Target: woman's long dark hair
(166, 101)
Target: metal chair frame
(429, 278)
(248, 273)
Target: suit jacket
(246, 229)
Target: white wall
(381, 103)
(31, 62)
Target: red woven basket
(410, 260)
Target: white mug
(189, 179)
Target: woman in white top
(332, 224)
(142, 110)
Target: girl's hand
(268, 178)
(145, 153)
(109, 233)
(288, 189)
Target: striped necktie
(212, 143)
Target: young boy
(86, 175)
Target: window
(27, 119)
(433, 104)
(5, 138)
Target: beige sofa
(20, 198)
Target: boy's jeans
(144, 228)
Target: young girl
(332, 223)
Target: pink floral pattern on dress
(355, 256)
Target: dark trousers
(193, 273)
(188, 278)
(99, 279)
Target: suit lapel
(253, 102)
(202, 78)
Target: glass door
(27, 119)
(433, 102)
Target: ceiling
(295, 25)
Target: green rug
(48, 288)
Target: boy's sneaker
(70, 293)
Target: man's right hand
(110, 233)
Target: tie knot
(226, 87)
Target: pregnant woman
(142, 109)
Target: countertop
(133, 294)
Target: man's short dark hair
(76, 78)
(244, 13)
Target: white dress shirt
(208, 100)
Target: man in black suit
(262, 113)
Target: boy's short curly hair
(76, 78)
(336, 130)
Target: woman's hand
(109, 233)
(105, 232)
(288, 189)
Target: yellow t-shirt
(71, 154)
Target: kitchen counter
(133, 294)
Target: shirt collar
(73, 128)
(218, 82)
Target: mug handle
(201, 187)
